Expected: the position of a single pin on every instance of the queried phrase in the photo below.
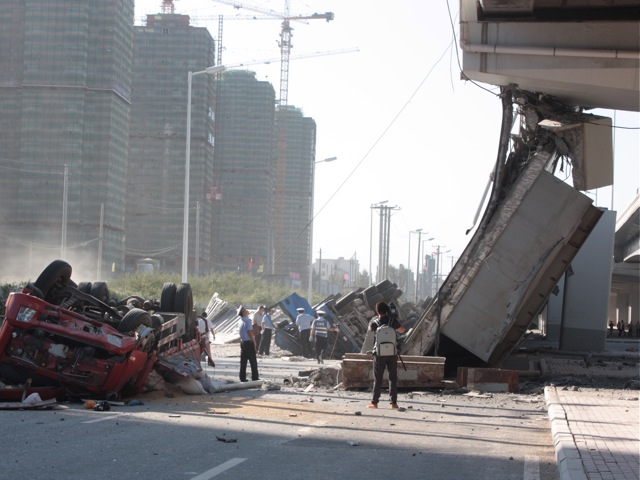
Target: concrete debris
(477, 394)
(325, 377)
(268, 386)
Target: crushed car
(73, 338)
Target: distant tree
(362, 281)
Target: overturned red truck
(73, 339)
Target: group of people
(255, 336)
(262, 325)
(631, 330)
(313, 333)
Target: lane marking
(531, 468)
(102, 419)
(219, 469)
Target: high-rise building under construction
(294, 201)
(65, 94)
(165, 50)
(262, 206)
(244, 174)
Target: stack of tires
(179, 299)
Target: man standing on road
(257, 324)
(267, 330)
(380, 362)
(319, 329)
(208, 335)
(247, 346)
(303, 322)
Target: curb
(568, 458)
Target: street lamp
(187, 169)
(373, 205)
(313, 173)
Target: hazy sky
(403, 125)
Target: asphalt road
(284, 434)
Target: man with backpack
(385, 353)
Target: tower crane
(167, 6)
(285, 37)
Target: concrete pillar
(623, 307)
(634, 304)
(612, 311)
(586, 290)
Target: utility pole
(438, 266)
(383, 247)
(197, 259)
(100, 242)
(373, 205)
(65, 195)
(419, 232)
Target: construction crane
(167, 6)
(285, 37)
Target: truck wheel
(57, 274)
(184, 304)
(84, 287)
(133, 319)
(34, 291)
(167, 297)
(100, 291)
(342, 302)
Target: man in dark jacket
(389, 362)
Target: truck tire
(369, 291)
(57, 273)
(100, 290)
(168, 298)
(371, 301)
(346, 300)
(184, 304)
(34, 291)
(84, 287)
(133, 319)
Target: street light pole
(187, 169)
(311, 201)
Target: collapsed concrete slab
(532, 228)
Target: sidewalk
(596, 432)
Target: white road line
(102, 419)
(219, 469)
(531, 468)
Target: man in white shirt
(303, 322)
